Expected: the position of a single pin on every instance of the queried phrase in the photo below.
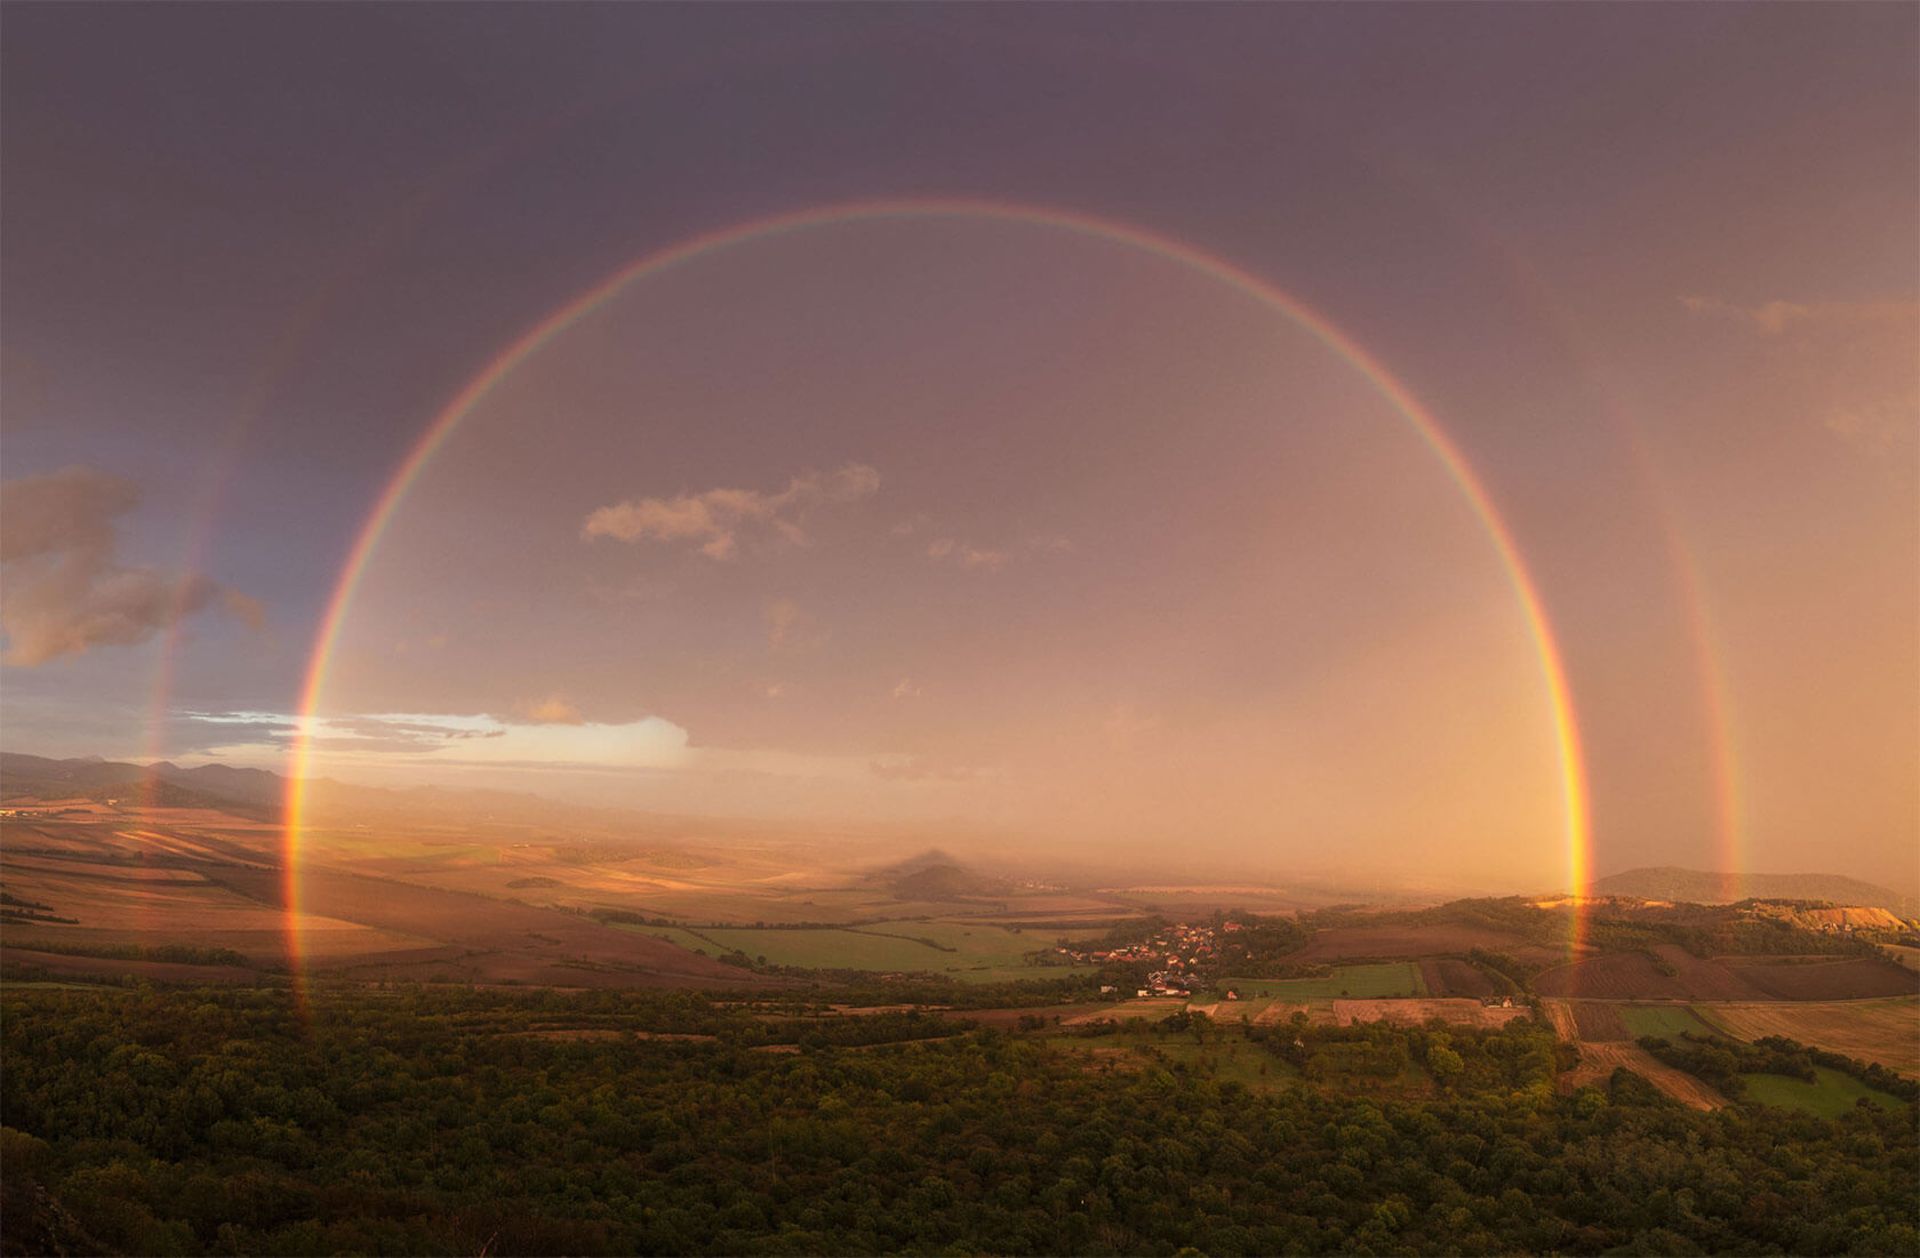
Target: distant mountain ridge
(1699, 886)
(247, 792)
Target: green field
(1831, 1095)
(1666, 1021)
(974, 952)
(1367, 982)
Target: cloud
(993, 558)
(1775, 317)
(788, 625)
(906, 689)
(966, 555)
(64, 591)
(438, 738)
(552, 710)
(1872, 425)
(1846, 366)
(717, 521)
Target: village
(1175, 960)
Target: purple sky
(1654, 268)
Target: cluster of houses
(1178, 955)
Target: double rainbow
(1576, 834)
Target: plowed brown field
(1849, 979)
(1450, 976)
(1594, 1020)
(1637, 976)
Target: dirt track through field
(1599, 1061)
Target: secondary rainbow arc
(1572, 767)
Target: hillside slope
(1698, 886)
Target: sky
(1205, 433)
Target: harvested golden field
(1417, 1011)
(1884, 1031)
(1599, 1061)
(1282, 1011)
(112, 873)
(1560, 1014)
(525, 944)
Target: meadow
(1662, 1020)
(1830, 1095)
(1370, 982)
(971, 951)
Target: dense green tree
(418, 1121)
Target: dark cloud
(65, 591)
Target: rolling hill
(1698, 886)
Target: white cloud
(717, 521)
(443, 738)
(905, 688)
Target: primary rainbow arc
(1572, 768)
